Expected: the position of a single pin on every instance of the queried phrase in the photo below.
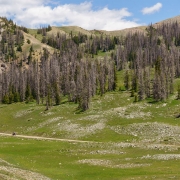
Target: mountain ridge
(33, 38)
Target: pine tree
(16, 97)
(28, 93)
(127, 80)
(19, 48)
(5, 99)
(178, 92)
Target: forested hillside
(11, 39)
(80, 65)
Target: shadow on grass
(153, 101)
(79, 111)
(64, 102)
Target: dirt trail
(133, 144)
(44, 138)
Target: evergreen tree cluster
(12, 39)
(151, 61)
(91, 44)
(44, 30)
(57, 76)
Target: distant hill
(75, 30)
(34, 39)
(169, 20)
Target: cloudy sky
(89, 14)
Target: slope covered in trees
(66, 72)
(12, 39)
(150, 61)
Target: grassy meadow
(122, 139)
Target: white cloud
(37, 12)
(152, 9)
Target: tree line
(88, 44)
(151, 61)
(56, 76)
(12, 39)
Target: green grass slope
(36, 43)
(75, 30)
(124, 32)
(122, 139)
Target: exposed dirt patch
(47, 114)
(16, 174)
(131, 111)
(10, 172)
(43, 124)
(92, 117)
(75, 130)
(150, 132)
(23, 113)
(103, 152)
(110, 164)
(163, 157)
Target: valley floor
(115, 139)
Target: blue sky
(94, 14)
